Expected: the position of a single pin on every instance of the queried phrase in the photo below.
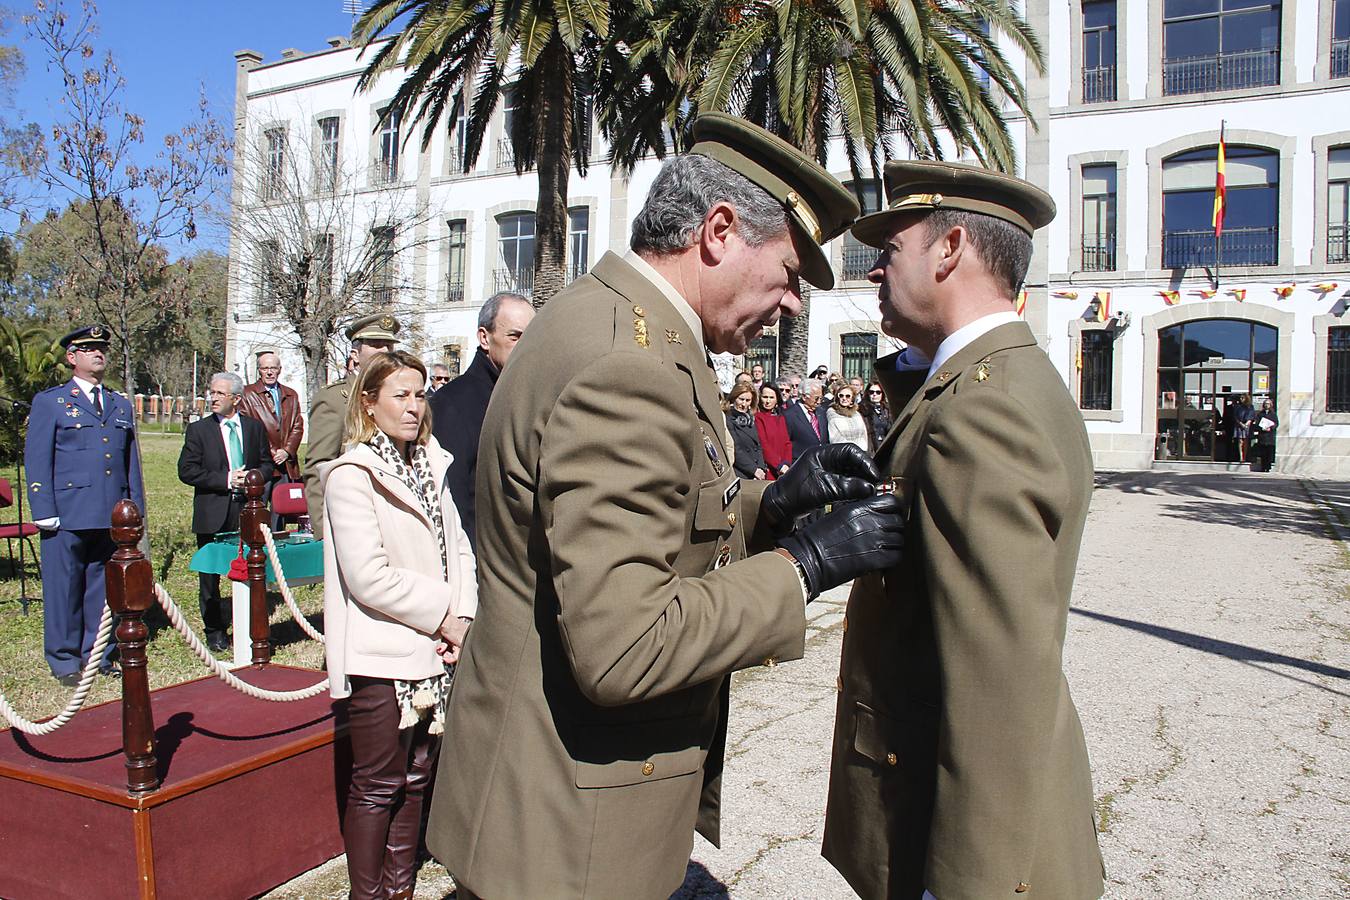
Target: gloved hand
(854, 539)
(827, 474)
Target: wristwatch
(801, 573)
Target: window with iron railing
(386, 172)
(1251, 222)
(274, 178)
(858, 353)
(1099, 51)
(578, 242)
(1340, 39)
(858, 257)
(454, 260)
(1220, 45)
(457, 139)
(326, 161)
(517, 281)
(1338, 204)
(1099, 218)
(515, 250)
(382, 266)
(763, 351)
(1338, 369)
(1097, 351)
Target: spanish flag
(1171, 298)
(1103, 299)
(1220, 189)
(1022, 303)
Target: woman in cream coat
(399, 593)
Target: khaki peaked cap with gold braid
(815, 201)
(919, 185)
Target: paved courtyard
(1209, 656)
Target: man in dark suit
(806, 419)
(458, 408)
(80, 458)
(217, 452)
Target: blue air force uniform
(79, 463)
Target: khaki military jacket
(617, 591)
(959, 765)
(326, 416)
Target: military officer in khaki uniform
(368, 335)
(624, 570)
(959, 768)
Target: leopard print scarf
(419, 699)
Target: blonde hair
(359, 427)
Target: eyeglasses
(97, 348)
(440, 378)
(874, 393)
(221, 393)
(269, 368)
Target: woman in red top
(773, 433)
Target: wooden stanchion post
(131, 592)
(251, 518)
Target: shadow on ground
(1261, 502)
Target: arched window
(1251, 224)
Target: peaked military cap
(376, 327)
(815, 201)
(919, 185)
(88, 336)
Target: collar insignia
(640, 331)
(673, 337)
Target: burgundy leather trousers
(392, 771)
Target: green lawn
(24, 677)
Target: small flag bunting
(1103, 301)
(1067, 295)
(1022, 303)
(1205, 293)
(1325, 287)
(1284, 290)
(1238, 294)
(1171, 298)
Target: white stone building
(1128, 113)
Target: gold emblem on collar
(944, 377)
(982, 372)
(640, 333)
(673, 337)
(639, 312)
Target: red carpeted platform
(249, 798)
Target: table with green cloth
(301, 562)
(300, 554)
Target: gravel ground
(1209, 655)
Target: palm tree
(811, 70)
(469, 52)
(28, 364)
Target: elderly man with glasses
(80, 459)
(218, 450)
(439, 378)
(277, 407)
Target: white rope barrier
(300, 618)
(218, 669)
(105, 630)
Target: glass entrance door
(1209, 372)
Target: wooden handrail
(130, 584)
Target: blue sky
(169, 50)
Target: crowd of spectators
(771, 423)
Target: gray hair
(236, 383)
(811, 385)
(440, 367)
(686, 188)
(487, 316)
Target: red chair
(22, 531)
(288, 502)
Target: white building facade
(1153, 338)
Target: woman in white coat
(399, 593)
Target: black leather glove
(827, 474)
(854, 539)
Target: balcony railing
(1099, 255)
(1340, 58)
(454, 291)
(858, 259)
(506, 154)
(455, 161)
(1241, 247)
(575, 270)
(520, 282)
(382, 296)
(1099, 84)
(1221, 72)
(1338, 243)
